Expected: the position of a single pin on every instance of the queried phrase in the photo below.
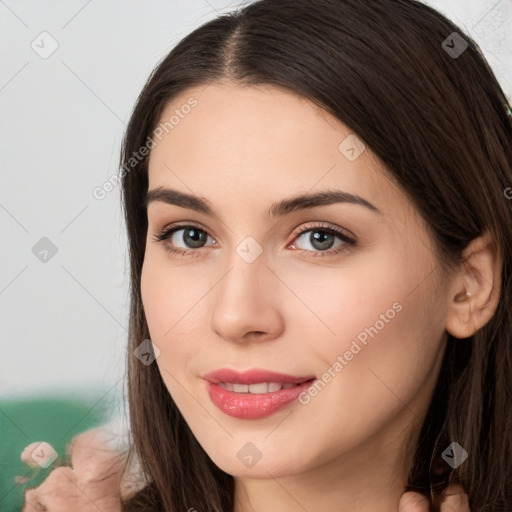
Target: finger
(413, 502)
(26, 454)
(92, 455)
(60, 482)
(455, 500)
(30, 500)
(98, 442)
(60, 493)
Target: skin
(94, 480)
(242, 149)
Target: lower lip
(251, 406)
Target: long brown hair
(432, 111)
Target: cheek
(392, 374)
(336, 305)
(171, 297)
(165, 294)
(376, 326)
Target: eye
(191, 235)
(321, 239)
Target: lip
(253, 377)
(249, 405)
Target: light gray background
(64, 322)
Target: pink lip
(253, 377)
(249, 405)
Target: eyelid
(169, 229)
(323, 225)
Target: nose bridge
(244, 302)
(245, 279)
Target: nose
(246, 304)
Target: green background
(53, 419)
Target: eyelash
(167, 232)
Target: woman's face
(277, 289)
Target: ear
(475, 292)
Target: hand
(454, 500)
(93, 482)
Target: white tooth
(261, 387)
(258, 388)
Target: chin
(243, 466)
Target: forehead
(258, 144)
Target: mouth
(254, 394)
(257, 388)
(254, 376)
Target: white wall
(489, 22)
(63, 322)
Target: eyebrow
(284, 207)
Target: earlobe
(475, 292)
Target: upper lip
(253, 376)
